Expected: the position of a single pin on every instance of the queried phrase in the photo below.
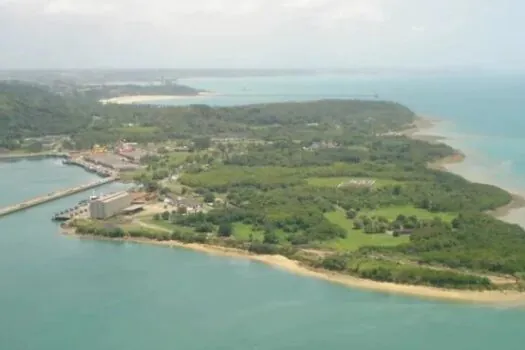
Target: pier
(53, 196)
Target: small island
(331, 188)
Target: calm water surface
(59, 292)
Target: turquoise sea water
(59, 292)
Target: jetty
(54, 196)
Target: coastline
(416, 131)
(130, 99)
(509, 298)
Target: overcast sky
(261, 33)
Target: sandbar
(130, 99)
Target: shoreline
(131, 99)
(509, 298)
(423, 123)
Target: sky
(316, 34)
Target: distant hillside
(31, 110)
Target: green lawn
(242, 232)
(178, 157)
(357, 238)
(335, 181)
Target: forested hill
(30, 110)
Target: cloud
(418, 28)
(272, 33)
(67, 7)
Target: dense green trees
(225, 229)
(476, 241)
(390, 271)
(27, 110)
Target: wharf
(53, 196)
(92, 168)
(68, 214)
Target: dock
(54, 196)
(92, 168)
(80, 210)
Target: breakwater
(92, 168)
(53, 196)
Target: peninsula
(331, 188)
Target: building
(103, 208)
(192, 205)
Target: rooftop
(113, 196)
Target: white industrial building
(102, 208)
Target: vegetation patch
(357, 238)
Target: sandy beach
(507, 298)
(509, 212)
(152, 98)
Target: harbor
(100, 161)
(90, 167)
(54, 196)
(80, 210)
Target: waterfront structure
(52, 196)
(103, 208)
(112, 161)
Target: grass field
(242, 232)
(357, 238)
(178, 157)
(335, 181)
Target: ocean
(62, 292)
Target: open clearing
(357, 238)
